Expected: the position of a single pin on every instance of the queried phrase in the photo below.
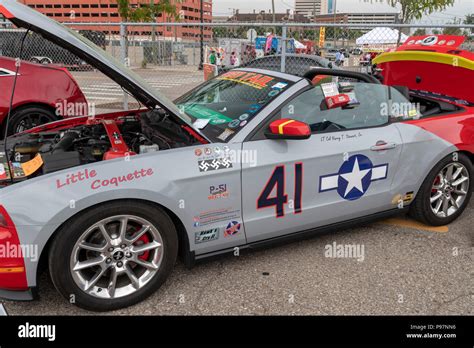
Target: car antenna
(17, 70)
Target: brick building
(106, 11)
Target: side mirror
(288, 129)
(337, 101)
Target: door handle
(383, 145)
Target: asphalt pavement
(406, 269)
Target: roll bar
(312, 73)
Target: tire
(424, 210)
(77, 285)
(28, 117)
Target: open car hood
(25, 17)
(433, 63)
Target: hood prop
(10, 106)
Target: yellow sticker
(32, 166)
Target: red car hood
(432, 63)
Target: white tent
(380, 36)
(299, 45)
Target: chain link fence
(170, 56)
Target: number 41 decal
(278, 180)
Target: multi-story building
(106, 11)
(358, 18)
(267, 17)
(310, 8)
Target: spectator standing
(338, 58)
(212, 58)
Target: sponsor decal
(232, 229)
(243, 123)
(217, 192)
(274, 93)
(406, 198)
(206, 236)
(254, 108)
(234, 124)
(224, 135)
(216, 216)
(280, 85)
(214, 164)
(244, 117)
(254, 80)
(354, 177)
(207, 151)
(203, 113)
(198, 152)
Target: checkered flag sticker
(214, 164)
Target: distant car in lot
(356, 51)
(330, 54)
(39, 91)
(296, 64)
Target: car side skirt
(298, 235)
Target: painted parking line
(3, 311)
(414, 225)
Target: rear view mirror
(288, 129)
(337, 101)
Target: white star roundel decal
(354, 177)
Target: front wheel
(446, 191)
(114, 255)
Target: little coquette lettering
(88, 175)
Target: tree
(419, 32)
(146, 12)
(415, 9)
(452, 31)
(469, 20)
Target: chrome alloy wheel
(449, 190)
(116, 256)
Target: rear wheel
(29, 117)
(446, 191)
(114, 255)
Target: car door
(343, 171)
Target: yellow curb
(414, 225)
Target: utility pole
(153, 33)
(334, 30)
(314, 18)
(274, 17)
(201, 9)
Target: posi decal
(216, 192)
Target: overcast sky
(224, 7)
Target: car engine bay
(99, 139)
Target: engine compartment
(98, 139)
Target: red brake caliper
(436, 182)
(141, 241)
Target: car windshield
(223, 106)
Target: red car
(43, 94)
